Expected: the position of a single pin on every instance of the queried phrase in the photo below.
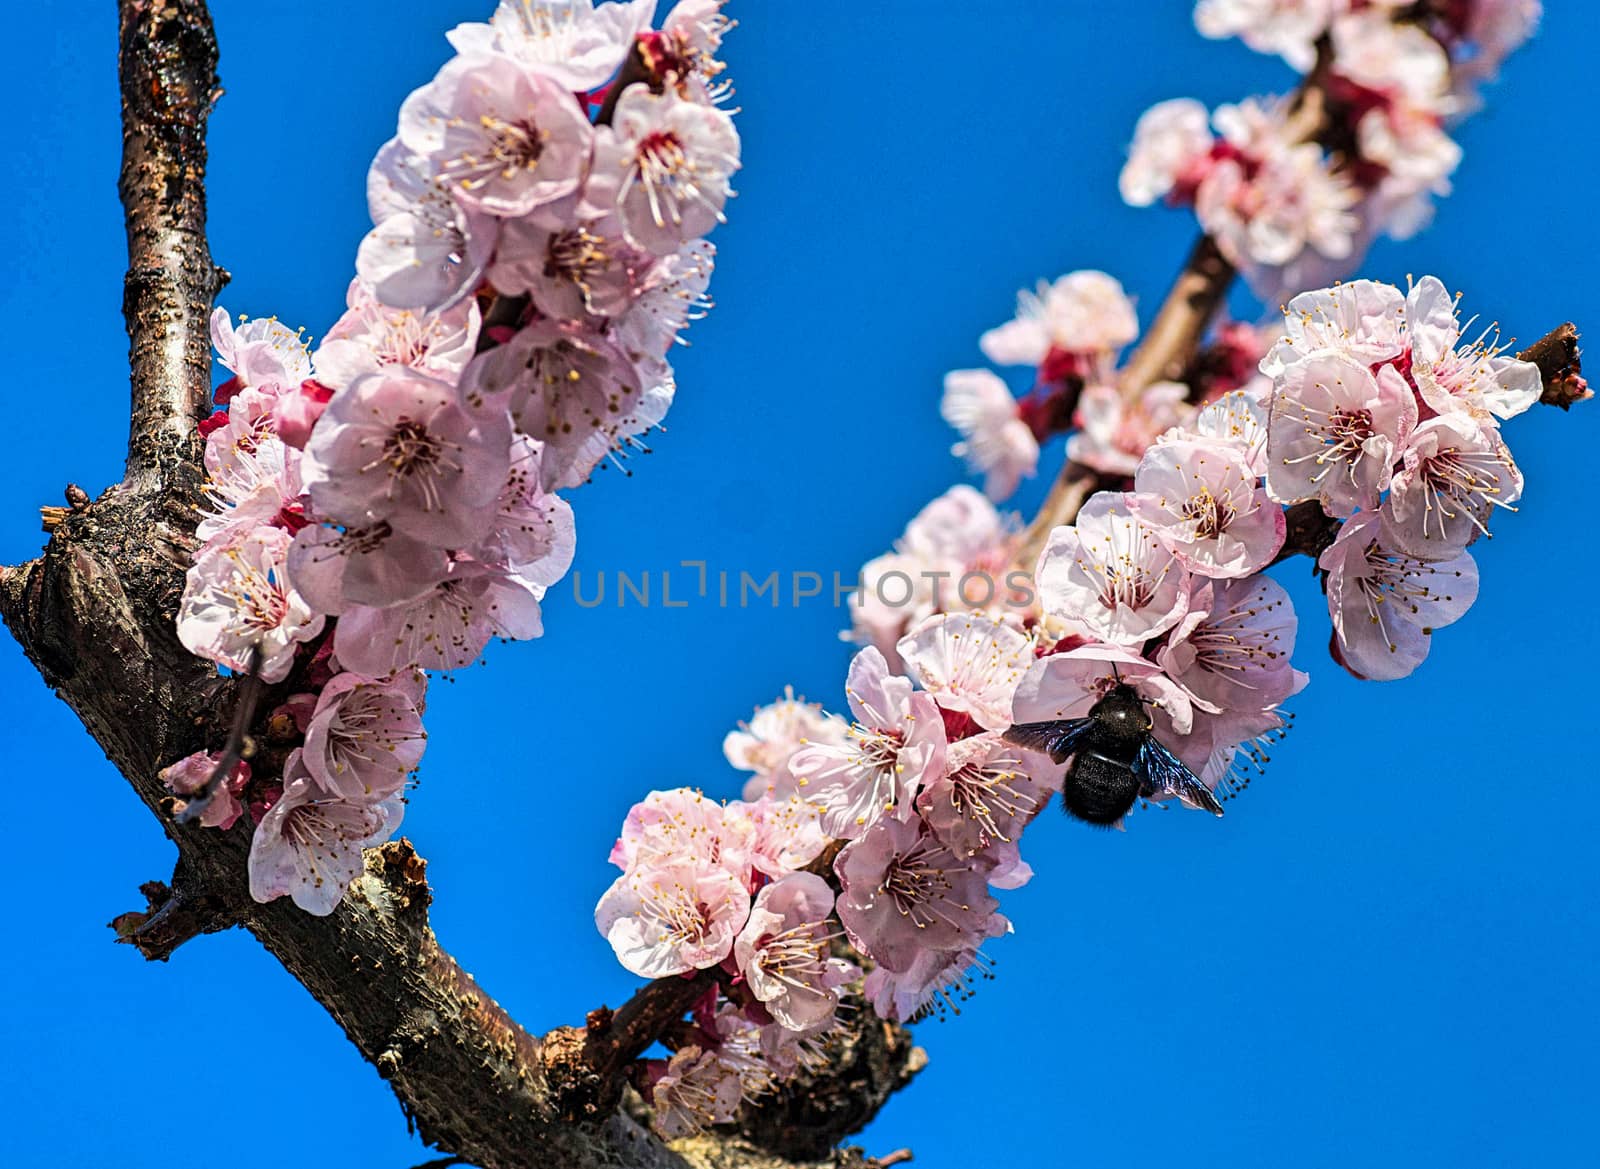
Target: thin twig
(244, 717)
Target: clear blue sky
(1384, 955)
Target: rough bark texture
(95, 614)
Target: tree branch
(95, 614)
(168, 68)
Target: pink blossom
(573, 42)
(1171, 138)
(783, 952)
(995, 441)
(696, 1091)
(364, 738)
(394, 446)
(1066, 685)
(1335, 431)
(570, 389)
(260, 354)
(682, 822)
(937, 981)
(904, 892)
(968, 663)
(1455, 472)
(672, 161)
(1473, 379)
(1202, 501)
(253, 477)
(1109, 575)
(572, 270)
(897, 742)
(981, 804)
(191, 773)
(1363, 319)
(670, 915)
(372, 565)
(424, 250)
(532, 531)
(1082, 313)
(297, 409)
(238, 599)
(444, 629)
(673, 294)
(1288, 28)
(501, 139)
(371, 335)
(770, 739)
(1271, 199)
(780, 835)
(1237, 420)
(1385, 605)
(1113, 434)
(1232, 650)
(309, 847)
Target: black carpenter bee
(1115, 759)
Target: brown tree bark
(95, 614)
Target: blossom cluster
(387, 503)
(894, 827)
(1293, 205)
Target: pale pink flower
(682, 822)
(191, 773)
(1109, 574)
(570, 389)
(1172, 138)
(238, 599)
(573, 42)
(937, 981)
(981, 804)
(672, 161)
(1289, 28)
(782, 952)
(1202, 502)
(1398, 60)
(1495, 28)
(297, 409)
(960, 525)
(371, 335)
(425, 250)
(309, 847)
(502, 140)
(1475, 378)
(903, 892)
(1363, 319)
(1454, 473)
(572, 270)
(995, 442)
(1232, 650)
(672, 295)
(897, 742)
(1082, 312)
(1276, 199)
(394, 446)
(1385, 605)
(1113, 434)
(780, 835)
(696, 1091)
(968, 663)
(260, 354)
(672, 914)
(1066, 685)
(253, 479)
(364, 738)
(444, 629)
(372, 565)
(769, 740)
(1237, 420)
(1335, 431)
(895, 591)
(533, 531)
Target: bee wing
(1161, 773)
(1058, 739)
